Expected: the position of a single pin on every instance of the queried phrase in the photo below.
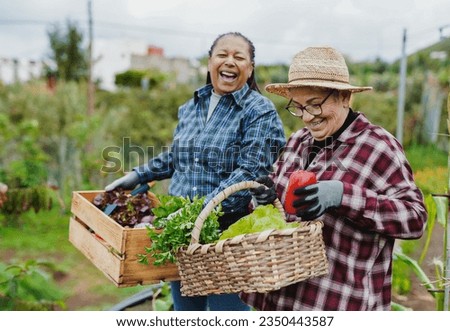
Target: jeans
(213, 302)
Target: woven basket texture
(259, 262)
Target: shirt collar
(349, 135)
(354, 129)
(238, 96)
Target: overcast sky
(362, 29)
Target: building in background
(13, 70)
(183, 69)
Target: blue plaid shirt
(240, 141)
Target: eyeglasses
(297, 109)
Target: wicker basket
(259, 262)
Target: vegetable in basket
(263, 218)
(172, 227)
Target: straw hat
(317, 67)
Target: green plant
(173, 227)
(437, 208)
(435, 288)
(135, 78)
(28, 287)
(423, 157)
(44, 236)
(67, 51)
(20, 200)
(431, 179)
(162, 298)
(401, 277)
(130, 78)
(398, 307)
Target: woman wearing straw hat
(365, 194)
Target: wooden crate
(112, 248)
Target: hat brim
(283, 89)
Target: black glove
(264, 195)
(313, 200)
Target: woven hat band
(307, 76)
(319, 63)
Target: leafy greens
(173, 225)
(263, 218)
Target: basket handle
(219, 198)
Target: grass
(425, 156)
(35, 233)
(430, 168)
(44, 236)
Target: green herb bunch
(173, 225)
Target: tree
(136, 78)
(67, 52)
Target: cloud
(279, 29)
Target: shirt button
(194, 188)
(196, 159)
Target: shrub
(28, 286)
(432, 180)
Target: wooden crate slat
(95, 251)
(136, 240)
(95, 219)
(116, 253)
(145, 275)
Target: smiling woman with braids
(227, 133)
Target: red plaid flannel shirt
(380, 203)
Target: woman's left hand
(313, 200)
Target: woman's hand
(313, 200)
(127, 182)
(264, 194)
